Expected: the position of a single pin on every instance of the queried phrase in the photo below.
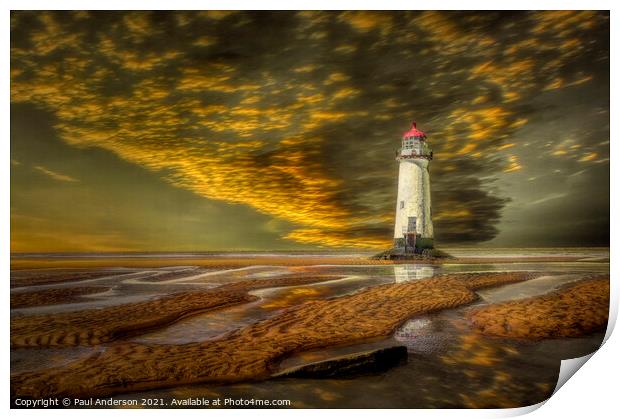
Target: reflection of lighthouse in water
(405, 273)
(422, 335)
(413, 227)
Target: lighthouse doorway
(409, 234)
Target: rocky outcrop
(377, 360)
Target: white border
(592, 393)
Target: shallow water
(272, 300)
(449, 365)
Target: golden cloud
(141, 126)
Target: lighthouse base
(421, 243)
(399, 253)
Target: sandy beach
(253, 352)
(131, 329)
(38, 276)
(52, 296)
(574, 311)
(92, 327)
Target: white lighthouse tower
(413, 227)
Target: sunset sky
(162, 131)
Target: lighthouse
(413, 227)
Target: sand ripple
(254, 351)
(96, 326)
(573, 311)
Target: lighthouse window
(402, 204)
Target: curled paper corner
(568, 368)
(613, 314)
(520, 411)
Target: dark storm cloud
(298, 114)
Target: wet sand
(52, 296)
(477, 281)
(254, 352)
(96, 326)
(242, 262)
(573, 311)
(27, 277)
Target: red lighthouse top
(414, 132)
